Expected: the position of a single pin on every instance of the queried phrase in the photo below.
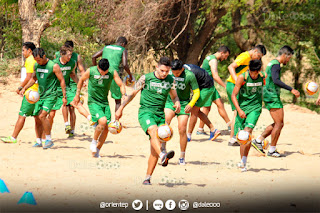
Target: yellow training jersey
(243, 64)
(29, 65)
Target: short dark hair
(64, 49)
(69, 43)
(165, 61)
(38, 52)
(286, 50)
(255, 65)
(122, 40)
(261, 49)
(104, 64)
(29, 45)
(176, 64)
(224, 49)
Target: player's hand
(76, 100)
(177, 106)
(118, 114)
(64, 101)
(18, 91)
(318, 101)
(21, 92)
(295, 92)
(187, 109)
(242, 114)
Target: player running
(115, 54)
(48, 74)
(100, 78)
(210, 64)
(248, 89)
(239, 66)
(155, 88)
(26, 108)
(185, 82)
(271, 98)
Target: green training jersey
(47, 80)
(66, 70)
(154, 93)
(250, 94)
(99, 86)
(271, 90)
(184, 84)
(74, 57)
(205, 64)
(114, 55)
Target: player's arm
(232, 70)
(74, 76)
(175, 99)
(125, 64)
(235, 92)
(26, 80)
(118, 81)
(83, 78)
(95, 56)
(196, 94)
(58, 73)
(214, 70)
(31, 81)
(138, 86)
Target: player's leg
(277, 115)
(233, 140)
(169, 115)
(43, 116)
(39, 131)
(82, 110)
(182, 126)
(192, 121)
(72, 120)
(222, 111)
(206, 111)
(103, 136)
(244, 151)
(51, 116)
(116, 94)
(65, 115)
(214, 133)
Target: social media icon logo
(183, 205)
(102, 205)
(158, 205)
(170, 204)
(137, 205)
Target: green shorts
(26, 108)
(115, 91)
(273, 104)
(97, 111)
(70, 96)
(250, 121)
(205, 95)
(44, 104)
(230, 87)
(215, 95)
(147, 119)
(169, 105)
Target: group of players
(173, 89)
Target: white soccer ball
(165, 132)
(32, 96)
(243, 137)
(311, 88)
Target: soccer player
(115, 54)
(100, 78)
(206, 91)
(185, 83)
(271, 98)
(67, 66)
(248, 89)
(210, 64)
(26, 108)
(48, 74)
(239, 66)
(155, 88)
(69, 108)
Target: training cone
(3, 187)
(27, 198)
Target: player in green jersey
(116, 54)
(155, 88)
(100, 79)
(271, 98)
(48, 75)
(68, 67)
(185, 83)
(210, 64)
(249, 90)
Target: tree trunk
(297, 74)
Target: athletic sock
(200, 129)
(259, 139)
(72, 131)
(94, 142)
(162, 154)
(148, 177)
(183, 154)
(163, 147)
(229, 123)
(232, 140)
(38, 140)
(43, 140)
(89, 117)
(272, 149)
(189, 135)
(48, 137)
(244, 160)
(66, 123)
(13, 138)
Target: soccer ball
(243, 137)
(115, 127)
(127, 82)
(32, 96)
(165, 132)
(311, 88)
(265, 144)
